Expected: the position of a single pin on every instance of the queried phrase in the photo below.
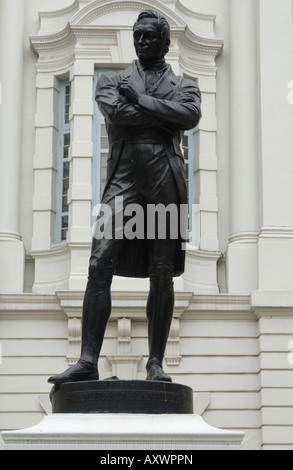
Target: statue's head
(151, 34)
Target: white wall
(233, 351)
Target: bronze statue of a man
(147, 108)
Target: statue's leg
(96, 311)
(160, 307)
(162, 250)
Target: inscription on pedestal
(143, 396)
(120, 396)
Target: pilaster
(12, 252)
(274, 310)
(276, 71)
(81, 154)
(242, 250)
(45, 161)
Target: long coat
(170, 107)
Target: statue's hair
(165, 27)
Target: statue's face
(148, 41)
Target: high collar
(136, 74)
(157, 65)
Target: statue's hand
(127, 90)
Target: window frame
(189, 172)
(64, 129)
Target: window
(62, 181)
(101, 149)
(188, 153)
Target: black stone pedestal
(122, 396)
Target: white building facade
(232, 334)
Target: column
(242, 276)
(12, 254)
(276, 73)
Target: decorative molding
(104, 33)
(278, 304)
(192, 14)
(266, 232)
(276, 232)
(102, 7)
(71, 303)
(202, 45)
(124, 365)
(71, 9)
(131, 306)
(220, 307)
(39, 306)
(10, 236)
(45, 44)
(124, 361)
(195, 252)
(244, 237)
(57, 249)
(124, 334)
(74, 340)
(126, 306)
(172, 356)
(53, 41)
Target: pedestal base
(122, 396)
(122, 432)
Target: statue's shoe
(155, 372)
(81, 371)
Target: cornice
(61, 42)
(220, 307)
(102, 7)
(56, 65)
(272, 304)
(71, 9)
(202, 45)
(104, 31)
(53, 41)
(128, 304)
(67, 38)
(131, 304)
(192, 14)
(41, 306)
(194, 69)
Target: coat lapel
(136, 79)
(165, 86)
